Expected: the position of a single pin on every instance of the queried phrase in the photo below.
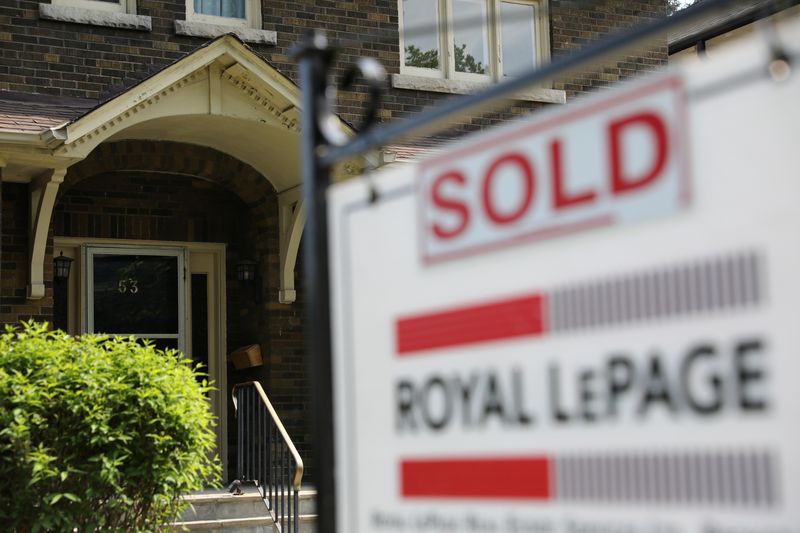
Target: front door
(173, 296)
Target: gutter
(742, 19)
(50, 138)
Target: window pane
(470, 36)
(233, 8)
(135, 294)
(207, 7)
(220, 8)
(518, 30)
(421, 47)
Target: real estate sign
(582, 323)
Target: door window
(137, 292)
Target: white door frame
(179, 252)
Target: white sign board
(633, 376)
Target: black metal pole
(314, 56)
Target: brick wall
(90, 61)
(575, 24)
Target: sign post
(573, 324)
(314, 57)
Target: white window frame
(419, 71)
(446, 68)
(89, 251)
(541, 37)
(121, 6)
(252, 16)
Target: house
(735, 22)
(155, 143)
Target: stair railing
(266, 455)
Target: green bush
(98, 433)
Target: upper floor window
(473, 39)
(225, 12)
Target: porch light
(246, 270)
(62, 265)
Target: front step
(223, 512)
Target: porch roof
(222, 95)
(37, 113)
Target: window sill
(95, 17)
(439, 85)
(203, 29)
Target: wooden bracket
(291, 220)
(43, 192)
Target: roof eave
(36, 139)
(742, 19)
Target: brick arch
(171, 157)
(199, 162)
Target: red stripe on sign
(466, 325)
(526, 478)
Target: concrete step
(229, 525)
(218, 510)
(308, 524)
(308, 501)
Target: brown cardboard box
(246, 357)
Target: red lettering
(620, 183)
(527, 182)
(449, 204)
(561, 197)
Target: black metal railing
(266, 455)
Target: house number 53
(130, 285)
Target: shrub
(98, 433)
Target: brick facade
(93, 62)
(171, 191)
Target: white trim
(210, 260)
(102, 120)
(94, 15)
(419, 71)
(535, 45)
(89, 251)
(43, 192)
(194, 28)
(121, 6)
(422, 83)
(291, 221)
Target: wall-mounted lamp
(62, 265)
(247, 272)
